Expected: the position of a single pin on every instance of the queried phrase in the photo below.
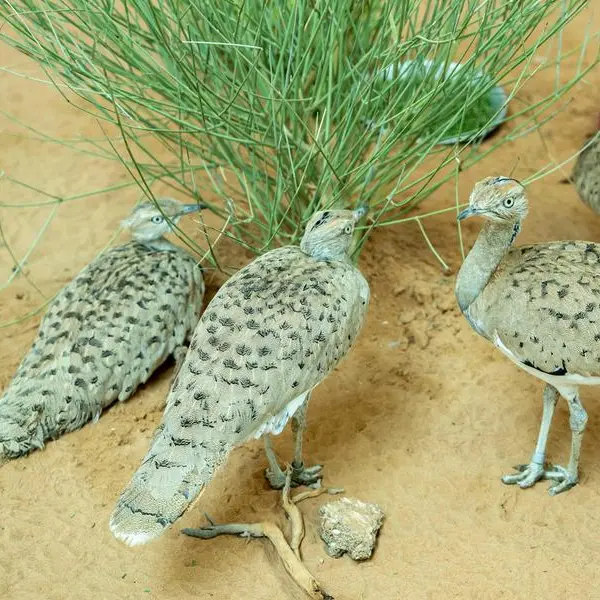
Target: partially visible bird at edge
(270, 335)
(540, 306)
(586, 173)
(105, 332)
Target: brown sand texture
(422, 418)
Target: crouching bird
(540, 306)
(105, 332)
(272, 333)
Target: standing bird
(272, 333)
(540, 306)
(586, 174)
(105, 332)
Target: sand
(422, 418)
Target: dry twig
(288, 552)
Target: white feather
(131, 539)
(276, 424)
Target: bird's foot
(564, 478)
(528, 475)
(301, 475)
(308, 476)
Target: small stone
(350, 526)
(421, 337)
(407, 316)
(421, 292)
(445, 302)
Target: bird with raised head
(105, 332)
(270, 335)
(540, 306)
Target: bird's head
(498, 199)
(328, 233)
(148, 222)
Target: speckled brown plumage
(269, 336)
(586, 174)
(104, 334)
(540, 305)
(557, 287)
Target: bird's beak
(360, 212)
(190, 208)
(468, 212)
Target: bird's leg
(274, 474)
(527, 475)
(567, 478)
(302, 475)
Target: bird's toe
(526, 475)
(564, 480)
(309, 476)
(276, 479)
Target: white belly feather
(276, 424)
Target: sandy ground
(423, 417)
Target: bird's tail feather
(21, 424)
(36, 408)
(173, 474)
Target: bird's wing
(102, 336)
(543, 304)
(272, 333)
(114, 323)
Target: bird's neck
(328, 257)
(328, 250)
(488, 251)
(322, 252)
(158, 245)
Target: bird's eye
(157, 219)
(508, 202)
(501, 180)
(348, 229)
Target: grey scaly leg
(298, 426)
(274, 474)
(567, 478)
(534, 471)
(301, 475)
